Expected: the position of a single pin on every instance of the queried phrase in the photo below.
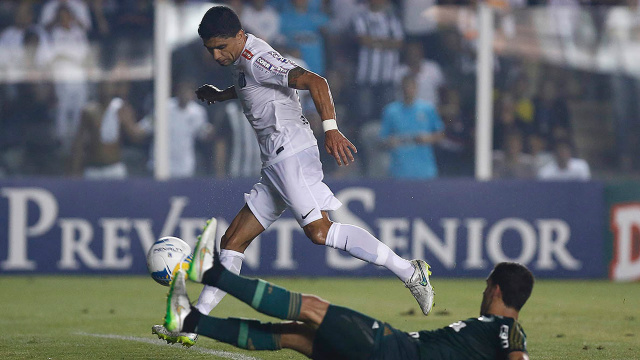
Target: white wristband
(329, 124)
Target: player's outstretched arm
(212, 94)
(335, 142)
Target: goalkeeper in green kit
(321, 330)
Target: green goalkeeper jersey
(486, 337)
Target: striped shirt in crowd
(377, 65)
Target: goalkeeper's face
(487, 297)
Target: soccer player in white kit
(266, 84)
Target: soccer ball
(166, 256)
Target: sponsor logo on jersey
(280, 57)
(270, 67)
(247, 54)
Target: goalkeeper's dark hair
(219, 21)
(515, 281)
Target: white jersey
(260, 76)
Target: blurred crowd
(75, 99)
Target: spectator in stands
(102, 14)
(506, 120)
(22, 48)
(458, 66)
(538, 149)
(303, 30)
(69, 52)
(78, 8)
(622, 30)
(380, 37)
(552, 118)
(132, 30)
(262, 20)
(22, 55)
(342, 13)
(564, 165)
(455, 152)
(244, 153)
(512, 162)
(41, 150)
(187, 123)
(565, 17)
(428, 74)
(314, 6)
(97, 147)
(409, 129)
(339, 36)
(524, 109)
(192, 61)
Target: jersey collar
(246, 44)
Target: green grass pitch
(47, 317)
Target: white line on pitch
(220, 353)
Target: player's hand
(338, 146)
(209, 93)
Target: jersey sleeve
(516, 339)
(271, 68)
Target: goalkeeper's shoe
(203, 253)
(178, 306)
(172, 337)
(420, 286)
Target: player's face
(487, 297)
(225, 50)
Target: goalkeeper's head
(515, 283)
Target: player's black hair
(219, 21)
(515, 281)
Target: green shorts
(348, 334)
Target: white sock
(361, 244)
(211, 296)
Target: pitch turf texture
(45, 317)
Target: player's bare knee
(313, 309)
(317, 231)
(315, 234)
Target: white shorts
(295, 183)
